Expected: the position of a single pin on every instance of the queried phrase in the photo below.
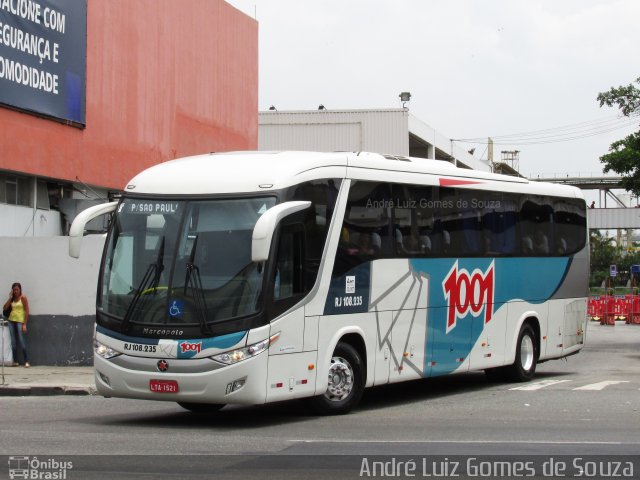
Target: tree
(624, 155)
(603, 254)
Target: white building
(386, 131)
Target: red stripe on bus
(450, 182)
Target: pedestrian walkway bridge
(586, 183)
(619, 217)
(613, 218)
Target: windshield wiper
(150, 280)
(159, 267)
(193, 280)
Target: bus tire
(524, 366)
(346, 382)
(201, 407)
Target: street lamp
(404, 98)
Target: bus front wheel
(346, 382)
(524, 366)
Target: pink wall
(165, 79)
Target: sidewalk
(47, 380)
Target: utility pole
(453, 157)
(490, 152)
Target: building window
(16, 190)
(25, 192)
(42, 197)
(11, 191)
(3, 189)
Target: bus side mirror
(266, 225)
(77, 227)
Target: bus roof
(247, 172)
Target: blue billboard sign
(43, 57)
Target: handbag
(6, 312)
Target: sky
(475, 68)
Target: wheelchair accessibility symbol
(176, 308)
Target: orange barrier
(635, 310)
(609, 310)
(623, 307)
(594, 309)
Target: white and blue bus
(253, 277)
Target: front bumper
(199, 380)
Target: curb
(43, 391)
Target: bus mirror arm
(266, 225)
(77, 227)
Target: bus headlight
(235, 356)
(104, 351)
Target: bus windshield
(179, 263)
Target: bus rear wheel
(346, 382)
(201, 407)
(524, 366)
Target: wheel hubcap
(340, 379)
(527, 353)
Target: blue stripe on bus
(126, 338)
(220, 342)
(533, 280)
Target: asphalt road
(588, 404)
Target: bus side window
(570, 226)
(536, 217)
(414, 220)
(365, 234)
(288, 278)
(499, 223)
(323, 195)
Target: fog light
(235, 385)
(104, 378)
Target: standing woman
(18, 319)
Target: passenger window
(569, 226)
(413, 220)
(536, 214)
(366, 233)
(499, 221)
(461, 222)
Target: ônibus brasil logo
(468, 293)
